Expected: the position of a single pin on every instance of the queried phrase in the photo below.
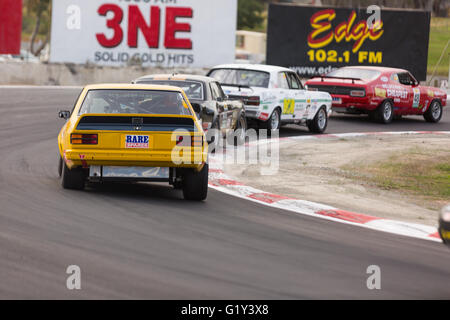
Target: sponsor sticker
(264, 116)
(384, 79)
(337, 100)
(416, 98)
(137, 141)
(379, 92)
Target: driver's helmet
(171, 100)
(171, 103)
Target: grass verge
(417, 172)
(439, 35)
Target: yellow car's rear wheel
(195, 184)
(72, 179)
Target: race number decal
(289, 106)
(416, 98)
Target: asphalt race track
(145, 241)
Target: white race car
(274, 96)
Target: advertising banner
(157, 33)
(10, 26)
(316, 40)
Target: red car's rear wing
(343, 78)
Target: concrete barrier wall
(22, 73)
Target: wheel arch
(279, 108)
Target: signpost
(170, 33)
(316, 40)
(10, 26)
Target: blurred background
(251, 37)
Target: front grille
(342, 90)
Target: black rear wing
(342, 78)
(240, 86)
(135, 123)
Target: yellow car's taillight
(188, 141)
(197, 141)
(77, 138)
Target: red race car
(380, 92)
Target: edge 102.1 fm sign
(316, 40)
(157, 33)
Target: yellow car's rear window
(120, 101)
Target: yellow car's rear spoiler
(136, 122)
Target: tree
(39, 8)
(250, 14)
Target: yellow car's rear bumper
(178, 158)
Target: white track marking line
(233, 187)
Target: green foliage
(251, 14)
(31, 10)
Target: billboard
(157, 33)
(316, 40)
(10, 26)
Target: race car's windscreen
(134, 101)
(251, 78)
(357, 73)
(193, 89)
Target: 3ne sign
(10, 26)
(151, 31)
(164, 33)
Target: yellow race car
(124, 132)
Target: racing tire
(385, 112)
(319, 123)
(195, 184)
(441, 234)
(60, 166)
(72, 179)
(239, 133)
(273, 123)
(213, 141)
(434, 112)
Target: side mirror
(197, 108)
(64, 114)
(219, 99)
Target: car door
(286, 95)
(407, 98)
(225, 113)
(420, 96)
(298, 94)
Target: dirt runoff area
(400, 177)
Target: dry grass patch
(420, 172)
